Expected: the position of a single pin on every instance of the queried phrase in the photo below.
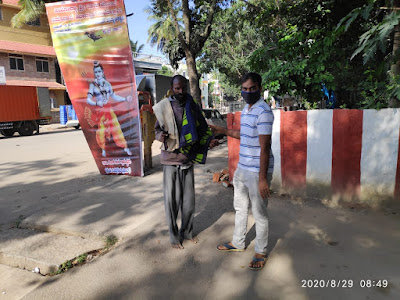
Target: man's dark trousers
(179, 194)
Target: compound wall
(343, 154)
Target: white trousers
(245, 190)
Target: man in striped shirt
(254, 172)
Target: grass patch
(78, 261)
(64, 267)
(82, 259)
(19, 221)
(110, 241)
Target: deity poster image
(92, 44)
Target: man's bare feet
(177, 246)
(194, 240)
(258, 261)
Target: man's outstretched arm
(229, 132)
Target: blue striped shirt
(255, 121)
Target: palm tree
(31, 10)
(136, 49)
(162, 31)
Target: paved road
(52, 178)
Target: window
(53, 103)
(34, 23)
(16, 62)
(42, 64)
(1, 14)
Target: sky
(138, 24)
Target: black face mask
(251, 97)
(181, 98)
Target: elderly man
(185, 135)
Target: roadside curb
(43, 252)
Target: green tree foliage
(30, 11)
(162, 33)
(136, 48)
(165, 71)
(297, 45)
(382, 35)
(197, 18)
(305, 50)
(230, 87)
(377, 33)
(232, 40)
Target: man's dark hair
(180, 78)
(255, 77)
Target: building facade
(27, 54)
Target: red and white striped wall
(354, 153)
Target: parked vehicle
(156, 85)
(68, 116)
(214, 117)
(23, 109)
(73, 123)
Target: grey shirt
(175, 157)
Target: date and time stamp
(344, 283)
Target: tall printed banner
(92, 44)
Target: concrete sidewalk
(307, 240)
(54, 127)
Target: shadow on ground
(307, 242)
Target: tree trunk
(193, 76)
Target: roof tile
(17, 47)
(48, 84)
(11, 2)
